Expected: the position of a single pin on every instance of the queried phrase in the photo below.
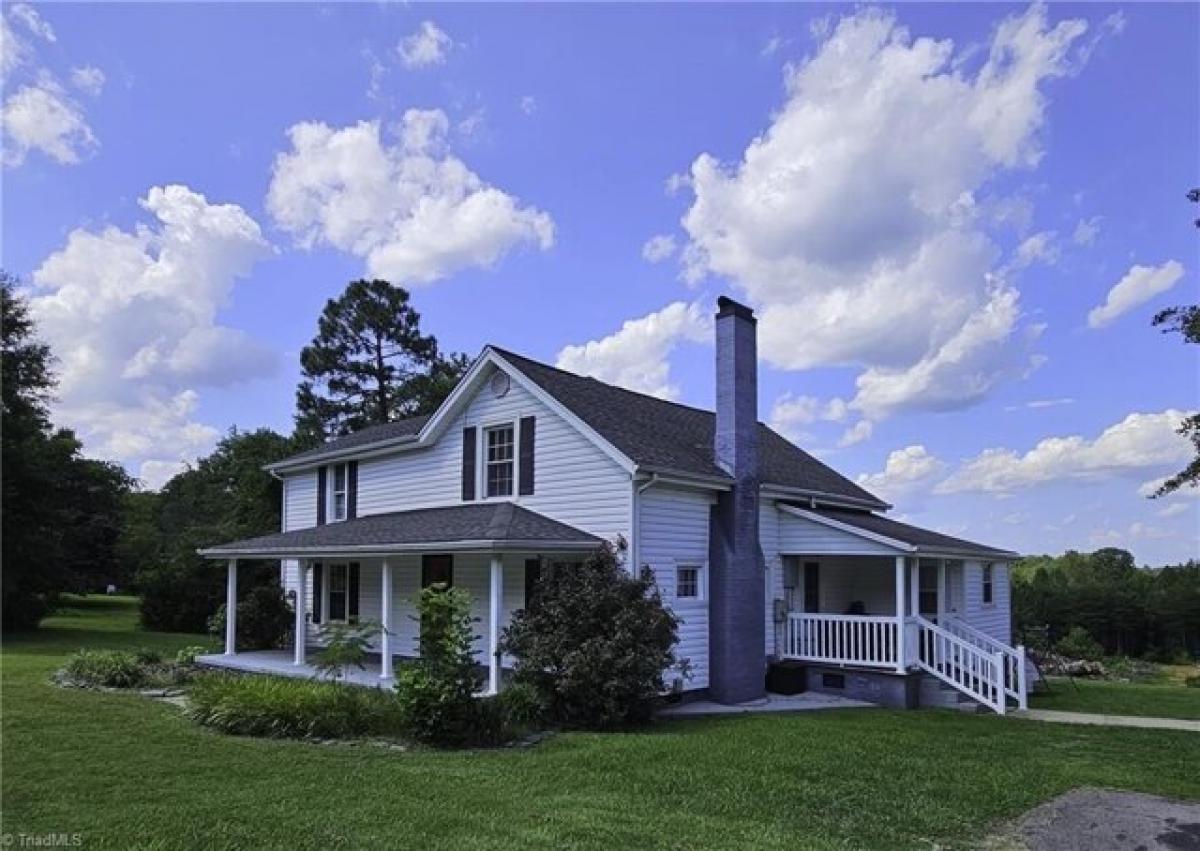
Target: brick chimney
(737, 589)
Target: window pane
(339, 506)
(337, 591)
(339, 477)
(687, 582)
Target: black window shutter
(468, 464)
(351, 490)
(525, 460)
(533, 578)
(352, 606)
(322, 483)
(318, 576)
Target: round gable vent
(499, 384)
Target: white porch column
(497, 592)
(301, 610)
(941, 592)
(914, 587)
(231, 609)
(900, 651)
(385, 616)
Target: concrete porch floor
(279, 663)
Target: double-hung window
(499, 460)
(339, 592)
(987, 584)
(688, 582)
(338, 494)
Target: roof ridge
(511, 354)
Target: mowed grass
(1166, 699)
(127, 772)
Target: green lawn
(1167, 699)
(126, 772)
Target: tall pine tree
(369, 364)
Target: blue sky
(954, 221)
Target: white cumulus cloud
(658, 248)
(904, 471)
(412, 211)
(1140, 443)
(32, 21)
(88, 79)
(132, 319)
(1138, 286)
(852, 221)
(428, 46)
(41, 116)
(636, 356)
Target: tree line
(1152, 613)
(76, 524)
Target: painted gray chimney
(737, 590)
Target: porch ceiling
(490, 527)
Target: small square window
(499, 460)
(987, 584)
(687, 582)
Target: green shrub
(146, 656)
(436, 693)
(277, 707)
(594, 642)
(1079, 644)
(345, 647)
(264, 618)
(106, 668)
(522, 706)
(187, 655)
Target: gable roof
(670, 437)
(486, 526)
(918, 540)
(657, 435)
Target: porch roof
(495, 526)
(904, 537)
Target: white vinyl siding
(768, 536)
(299, 501)
(674, 533)
(808, 537)
(994, 618)
(575, 482)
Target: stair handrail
(1014, 657)
(975, 671)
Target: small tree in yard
(595, 642)
(436, 693)
(346, 646)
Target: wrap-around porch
(371, 569)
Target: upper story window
(338, 493)
(987, 584)
(498, 460)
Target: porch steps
(940, 695)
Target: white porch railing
(841, 639)
(1013, 658)
(976, 671)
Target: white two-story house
(765, 553)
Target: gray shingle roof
(654, 433)
(669, 436)
(922, 539)
(494, 525)
(363, 437)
